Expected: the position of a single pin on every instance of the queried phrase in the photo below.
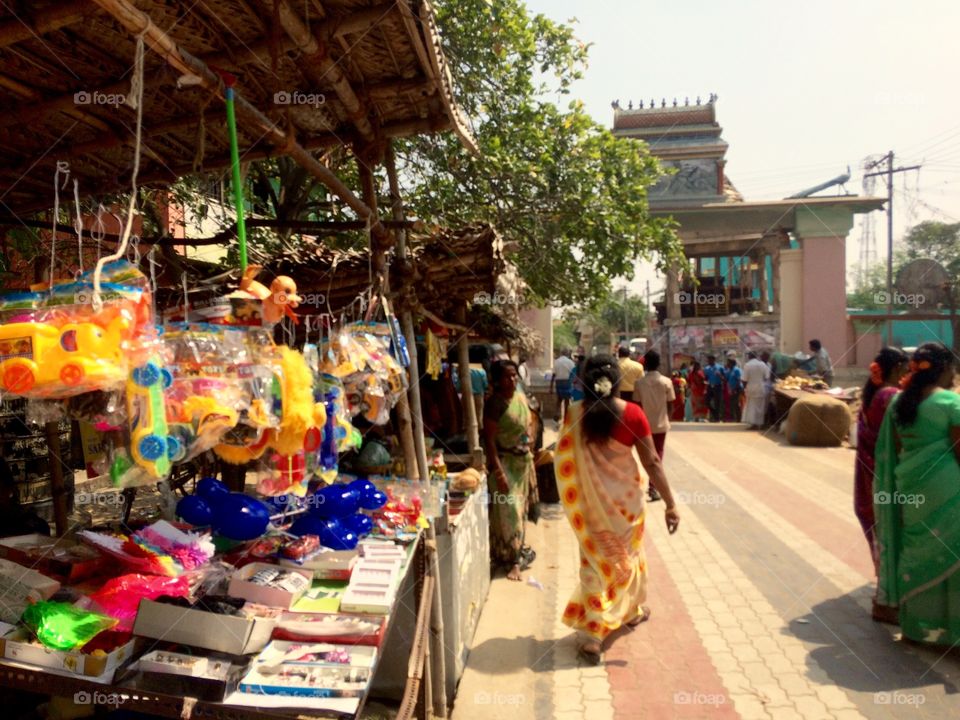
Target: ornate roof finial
(698, 99)
(674, 102)
(663, 102)
(630, 105)
(686, 101)
(615, 104)
(653, 103)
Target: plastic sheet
(120, 597)
(65, 627)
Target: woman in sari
(602, 490)
(698, 392)
(917, 500)
(885, 373)
(508, 435)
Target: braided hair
(883, 366)
(601, 376)
(928, 364)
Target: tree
(616, 315)
(564, 334)
(940, 242)
(570, 195)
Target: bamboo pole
(138, 22)
(58, 488)
(406, 320)
(469, 409)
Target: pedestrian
(824, 368)
(479, 385)
(655, 394)
(512, 482)
(561, 381)
(680, 393)
(576, 379)
(756, 374)
(732, 390)
(883, 384)
(524, 372)
(698, 392)
(770, 412)
(917, 500)
(601, 487)
(714, 376)
(630, 372)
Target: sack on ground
(818, 420)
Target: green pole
(237, 185)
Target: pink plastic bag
(120, 597)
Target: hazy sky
(805, 89)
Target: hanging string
(78, 223)
(134, 100)
(99, 231)
(151, 261)
(186, 299)
(62, 167)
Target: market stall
(230, 602)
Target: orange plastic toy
(40, 360)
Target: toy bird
(278, 300)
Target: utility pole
(888, 176)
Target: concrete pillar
(823, 237)
(762, 272)
(789, 271)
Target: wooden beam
(62, 103)
(319, 67)
(53, 18)
(360, 21)
(138, 22)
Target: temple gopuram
(767, 275)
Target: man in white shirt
(655, 394)
(562, 367)
(756, 373)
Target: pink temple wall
(824, 296)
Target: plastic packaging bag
(120, 597)
(64, 627)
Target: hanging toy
(279, 300)
(151, 446)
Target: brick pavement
(760, 605)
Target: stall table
(245, 706)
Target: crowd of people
(616, 413)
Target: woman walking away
(917, 500)
(602, 490)
(885, 373)
(508, 437)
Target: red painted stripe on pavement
(655, 668)
(844, 541)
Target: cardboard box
(242, 587)
(210, 679)
(372, 598)
(333, 565)
(65, 560)
(18, 647)
(21, 586)
(230, 634)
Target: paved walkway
(760, 606)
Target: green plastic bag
(65, 627)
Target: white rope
(136, 86)
(78, 223)
(153, 278)
(62, 167)
(186, 300)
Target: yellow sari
(602, 487)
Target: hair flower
(923, 365)
(603, 387)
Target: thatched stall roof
(445, 270)
(312, 74)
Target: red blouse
(631, 426)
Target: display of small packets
(311, 670)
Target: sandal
(885, 614)
(642, 618)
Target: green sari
(917, 505)
(508, 511)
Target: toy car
(40, 360)
(150, 442)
